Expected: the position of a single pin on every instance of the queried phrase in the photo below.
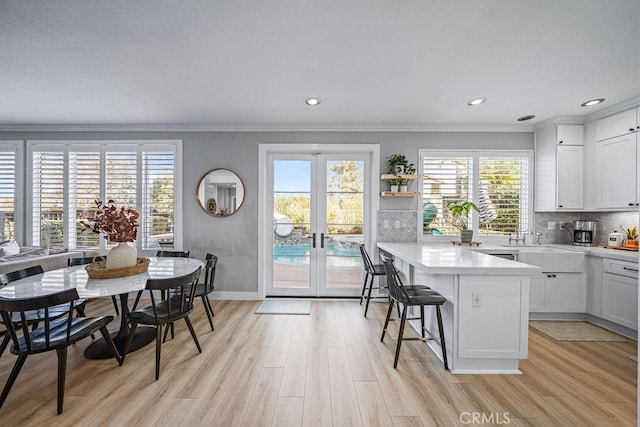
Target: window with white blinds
(48, 198)
(498, 183)
(67, 179)
(7, 192)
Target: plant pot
(398, 169)
(403, 188)
(466, 236)
(122, 255)
(394, 188)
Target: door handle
(629, 269)
(322, 240)
(313, 240)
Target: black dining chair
(174, 254)
(371, 270)
(411, 298)
(204, 289)
(178, 305)
(56, 333)
(88, 260)
(162, 254)
(34, 317)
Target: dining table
(88, 288)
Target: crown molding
(621, 106)
(560, 120)
(222, 128)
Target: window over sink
(499, 183)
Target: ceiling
(376, 64)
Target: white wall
(234, 239)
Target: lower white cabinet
(620, 293)
(558, 293)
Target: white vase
(403, 188)
(394, 188)
(122, 255)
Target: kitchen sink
(551, 259)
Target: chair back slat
(182, 288)
(366, 260)
(86, 260)
(175, 254)
(394, 283)
(210, 272)
(11, 306)
(7, 278)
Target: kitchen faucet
(521, 236)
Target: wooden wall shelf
(400, 194)
(391, 176)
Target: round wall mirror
(220, 192)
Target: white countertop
(437, 258)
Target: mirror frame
(203, 207)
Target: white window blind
(503, 199)
(7, 194)
(498, 183)
(48, 199)
(445, 179)
(84, 190)
(67, 179)
(158, 170)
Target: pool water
(300, 254)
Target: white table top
(76, 277)
(448, 259)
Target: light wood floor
(328, 368)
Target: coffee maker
(585, 233)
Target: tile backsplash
(401, 226)
(607, 222)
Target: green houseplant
(460, 212)
(399, 165)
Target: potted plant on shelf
(118, 225)
(399, 165)
(460, 212)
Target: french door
(320, 208)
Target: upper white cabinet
(559, 163)
(570, 134)
(618, 124)
(616, 172)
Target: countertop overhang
(448, 259)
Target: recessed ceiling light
(476, 101)
(312, 101)
(591, 102)
(524, 118)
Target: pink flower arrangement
(117, 224)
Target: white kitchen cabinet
(559, 167)
(620, 293)
(569, 177)
(558, 293)
(616, 173)
(570, 134)
(618, 124)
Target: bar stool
(411, 298)
(371, 270)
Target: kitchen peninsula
(487, 310)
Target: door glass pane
(345, 219)
(291, 224)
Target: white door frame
(264, 150)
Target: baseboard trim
(230, 295)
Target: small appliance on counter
(585, 233)
(615, 239)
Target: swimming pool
(300, 254)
